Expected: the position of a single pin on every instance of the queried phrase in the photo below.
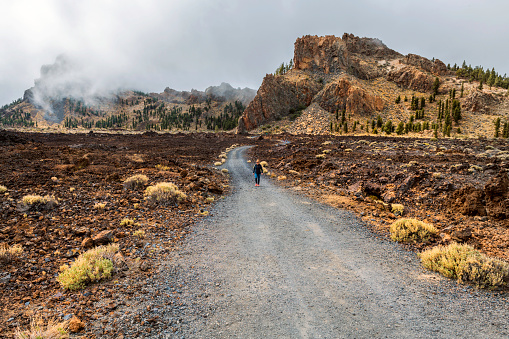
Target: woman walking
(257, 170)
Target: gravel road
(268, 263)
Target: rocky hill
(62, 99)
(362, 79)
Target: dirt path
(270, 264)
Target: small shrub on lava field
(162, 167)
(411, 230)
(3, 189)
(264, 163)
(218, 163)
(127, 222)
(397, 209)
(100, 206)
(39, 329)
(209, 200)
(139, 234)
(9, 253)
(467, 265)
(93, 265)
(135, 181)
(37, 202)
(320, 156)
(164, 192)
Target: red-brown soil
(459, 186)
(81, 170)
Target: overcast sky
(153, 44)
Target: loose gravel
(268, 263)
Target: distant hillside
(60, 100)
(359, 85)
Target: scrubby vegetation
(37, 202)
(94, 265)
(44, 330)
(467, 265)
(412, 230)
(135, 181)
(3, 189)
(164, 192)
(9, 253)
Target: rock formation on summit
(316, 60)
(340, 74)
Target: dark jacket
(258, 169)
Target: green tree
(480, 85)
(401, 128)
(497, 127)
(398, 99)
(461, 92)
(436, 85)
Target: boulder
(103, 237)
(87, 243)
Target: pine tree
(401, 128)
(379, 121)
(480, 85)
(461, 93)
(398, 99)
(436, 85)
(497, 128)
(423, 102)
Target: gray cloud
(153, 44)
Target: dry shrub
(3, 189)
(93, 265)
(9, 253)
(320, 156)
(136, 181)
(264, 163)
(467, 265)
(209, 200)
(139, 234)
(41, 330)
(281, 177)
(162, 167)
(224, 170)
(127, 222)
(164, 192)
(397, 209)
(411, 230)
(37, 202)
(100, 206)
(218, 163)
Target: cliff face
(345, 94)
(276, 96)
(316, 58)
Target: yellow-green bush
(164, 192)
(467, 265)
(39, 329)
(127, 222)
(411, 230)
(8, 253)
(397, 209)
(100, 206)
(37, 202)
(139, 234)
(3, 189)
(135, 181)
(93, 265)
